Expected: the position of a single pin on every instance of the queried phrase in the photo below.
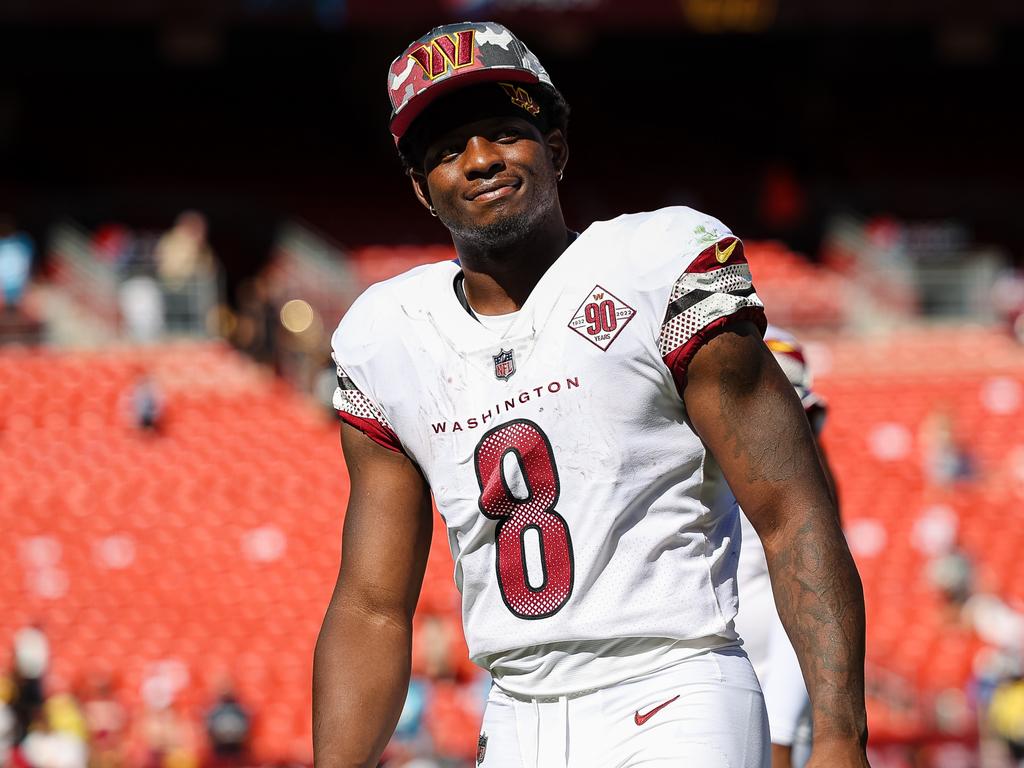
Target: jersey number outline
(516, 515)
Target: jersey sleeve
(359, 411)
(355, 347)
(714, 290)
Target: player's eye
(444, 154)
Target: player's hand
(838, 754)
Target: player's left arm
(750, 418)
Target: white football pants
(705, 712)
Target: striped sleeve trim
(715, 290)
(678, 361)
(357, 410)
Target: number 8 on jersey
(519, 488)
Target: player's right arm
(751, 420)
(363, 654)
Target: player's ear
(420, 188)
(558, 149)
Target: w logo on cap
(521, 98)
(456, 50)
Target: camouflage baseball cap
(453, 56)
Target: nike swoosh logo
(641, 719)
(723, 256)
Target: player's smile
(493, 190)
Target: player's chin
(494, 212)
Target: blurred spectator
(164, 739)
(147, 404)
(997, 623)
(15, 263)
(1006, 716)
(58, 736)
(106, 721)
(946, 460)
(46, 746)
(952, 711)
(31, 661)
(228, 727)
(63, 713)
(935, 531)
(8, 722)
(1008, 301)
(142, 307)
(112, 243)
(183, 254)
(952, 573)
(256, 328)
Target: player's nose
(482, 158)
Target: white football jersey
(577, 497)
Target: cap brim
(417, 104)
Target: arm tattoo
(820, 600)
(817, 589)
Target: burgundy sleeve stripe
(374, 430)
(678, 360)
(728, 250)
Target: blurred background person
(228, 727)
(106, 721)
(1006, 714)
(163, 737)
(16, 251)
(142, 306)
(183, 255)
(8, 721)
(31, 662)
(145, 403)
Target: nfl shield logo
(504, 364)
(481, 748)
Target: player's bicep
(387, 529)
(748, 415)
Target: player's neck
(498, 281)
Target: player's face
(492, 180)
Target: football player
(572, 401)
